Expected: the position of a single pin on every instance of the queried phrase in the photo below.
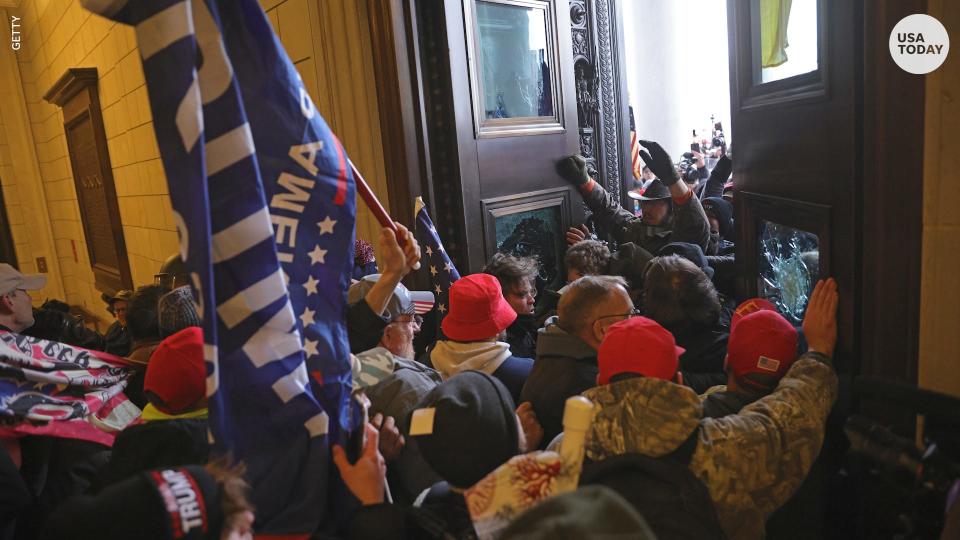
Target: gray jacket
(688, 223)
(397, 395)
(565, 366)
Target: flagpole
(373, 203)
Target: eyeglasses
(532, 293)
(623, 316)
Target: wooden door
(828, 179)
(514, 105)
(8, 253)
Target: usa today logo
(919, 44)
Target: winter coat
(491, 357)
(688, 222)
(750, 462)
(397, 395)
(158, 444)
(522, 337)
(117, 340)
(565, 366)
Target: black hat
(653, 190)
(466, 427)
(123, 294)
(722, 210)
(589, 512)
(690, 252)
(181, 502)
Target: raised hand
(574, 170)
(659, 162)
(820, 321)
(396, 260)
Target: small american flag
(442, 271)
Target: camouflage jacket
(688, 223)
(751, 462)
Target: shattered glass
(789, 267)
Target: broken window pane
(789, 267)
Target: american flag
(634, 148)
(442, 271)
(265, 208)
(55, 389)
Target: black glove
(659, 162)
(722, 169)
(574, 170)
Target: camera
(904, 484)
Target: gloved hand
(659, 162)
(723, 168)
(574, 170)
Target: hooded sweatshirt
(452, 357)
(751, 462)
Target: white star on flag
(311, 285)
(307, 317)
(326, 226)
(310, 347)
(442, 308)
(429, 251)
(433, 270)
(438, 289)
(448, 267)
(441, 248)
(317, 255)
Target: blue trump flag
(265, 207)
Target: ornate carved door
(508, 88)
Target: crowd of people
(709, 410)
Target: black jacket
(443, 515)
(564, 367)
(706, 348)
(117, 340)
(522, 337)
(157, 444)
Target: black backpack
(675, 503)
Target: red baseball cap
(176, 379)
(762, 345)
(749, 306)
(477, 309)
(638, 345)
